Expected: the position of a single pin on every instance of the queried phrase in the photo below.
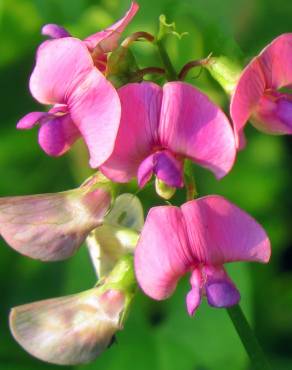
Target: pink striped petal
(162, 254)
(95, 109)
(60, 66)
(54, 31)
(220, 232)
(244, 101)
(57, 134)
(194, 127)
(276, 62)
(107, 39)
(51, 227)
(137, 133)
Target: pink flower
(101, 42)
(199, 237)
(162, 126)
(257, 96)
(83, 102)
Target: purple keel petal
(162, 255)
(54, 31)
(220, 290)
(107, 39)
(95, 109)
(60, 66)
(137, 135)
(57, 135)
(220, 232)
(192, 126)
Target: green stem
(248, 338)
(170, 71)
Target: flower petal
(54, 31)
(57, 134)
(193, 126)
(249, 90)
(108, 38)
(30, 120)
(220, 232)
(137, 132)
(51, 227)
(276, 62)
(95, 109)
(60, 65)
(162, 253)
(68, 330)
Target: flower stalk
(248, 339)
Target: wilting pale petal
(30, 120)
(95, 109)
(54, 31)
(248, 92)
(52, 226)
(137, 132)
(118, 235)
(57, 134)
(60, 66)
(107, 39)
(194, 127)
(219, 232)
(162, 254)
(68, 330)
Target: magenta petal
(137, 133)
(162, 255)
(108, 38)
(52, 227)
(145, 170)
(194, 296)
(276, 62)
(169, 169)
(220, 290)
(249, 90)
(193, 126)
(57, 134)
(95, 109)
(220, 232)
(54, 31)
(60, 66)
(30, 120)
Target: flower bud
(163, 190)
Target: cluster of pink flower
(138, 130)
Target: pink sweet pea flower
(199, 237)
(101, 42)
(257, 96)
(161, 126)
(83, 102)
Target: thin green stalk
(171, 74)
(248, 338)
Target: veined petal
(219, 232)
(248, 92)
(54, 31)
(137, 133)
(276, 63)
(68, 330)
(30, 120)
(57, 134)
(51, 227)
(60, 65)
(193, 126)
(162, 255)
(95, 109)
(107, 39)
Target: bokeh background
(158, 335)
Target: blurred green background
(158, 335)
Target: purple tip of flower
(222, 294)
(54, 31)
